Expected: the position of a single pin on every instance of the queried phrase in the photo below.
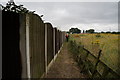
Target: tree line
(76, 30)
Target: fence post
(54, 42)
(23, 45)
(1, 43)
(99, 54)
(46, 48)
(27, 46)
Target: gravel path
(64, 66)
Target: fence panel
(60, 38)
(56, 41)
(50, 54)
(11, 55)
(37, 46)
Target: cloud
(62, 0)
(64, 15)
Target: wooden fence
(29, 45)
(11, 56)
(90, 63)
(49, 42)
(35, 44)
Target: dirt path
(64, 66)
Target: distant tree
(83, 31)
(90, 31)
(118, 32)
(74, 30)
(102, 32)
(113, 32)
(108, 32)
(68, 32)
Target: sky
(101, 16)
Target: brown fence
(24, 45)
(92, 64)
(22, 31)
(49, 42)
(56, 42)
(11, 58)
(36, 45)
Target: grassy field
(108, 43)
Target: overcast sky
(101, 16)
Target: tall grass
(108, 43)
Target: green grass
(108, 43)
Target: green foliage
(102, 32)
(111, 32)
(12, 7)
(90, 31)
(79, 55)
(82, 35)
(108, 32)
(115, 32)
(68, 32)
(73, 47)
(75, 30)
(83, 31)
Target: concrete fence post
(1, 42)
(27, 46)
(46, 48)
(62, 37)
(22, 33)
(54, 43)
